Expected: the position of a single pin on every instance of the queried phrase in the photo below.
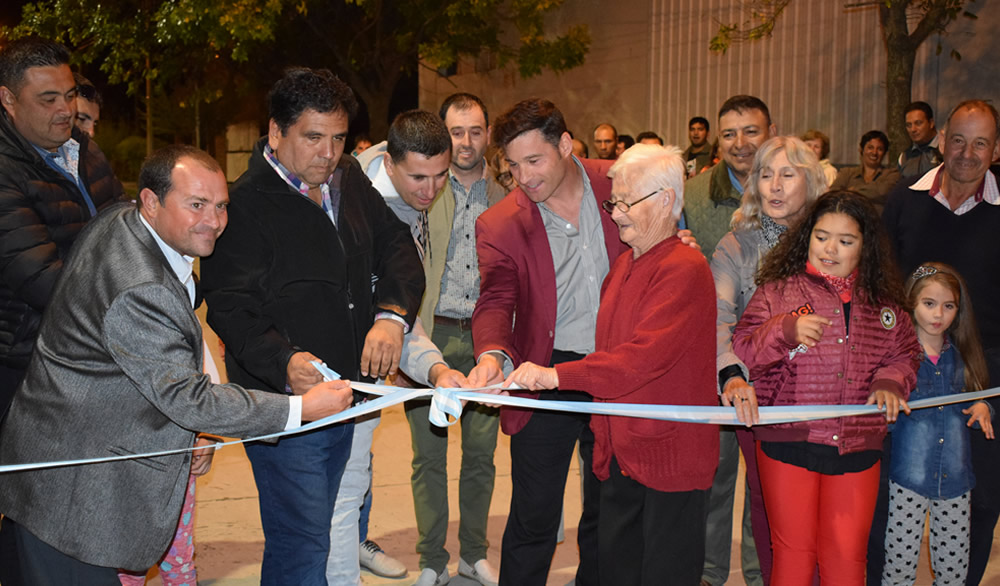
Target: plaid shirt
(330, 188)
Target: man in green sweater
(709, 202)
(711, 197)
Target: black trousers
(540, 456)
(40, 564)
(648, 537)
(986, 494)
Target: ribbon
(446, 409)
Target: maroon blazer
(517, 277)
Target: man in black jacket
(53, 179)
(312, 266)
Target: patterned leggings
(949, 537)
(177, 567)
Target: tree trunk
(901, 54)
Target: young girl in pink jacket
(826, 326)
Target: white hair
(644, 168)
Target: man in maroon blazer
(543, 253)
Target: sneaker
(378, 562)
(481, 571)
(431, 578)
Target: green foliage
(193, 49)
(177, 37)
(759, 24)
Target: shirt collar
(289, 177)
(931, 183)
(737, 184)
(65, 150)
(181, 264)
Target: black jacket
(284, 279)
(41, 214)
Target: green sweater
(709, 202)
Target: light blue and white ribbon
(446, 409)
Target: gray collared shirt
(581, 263)
(460, 283)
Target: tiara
(923, 271)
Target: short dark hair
(21, 55)
(824, 140)
(463, 101)
(982, 105)
(875, 135)
(646, 134)
(627, 139)
(743, 103)
(922, 106)
(704, 121)
(417, 131)
(527, 115)
(86, 90)
(304, 89)
(158, 168)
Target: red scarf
(842, 285)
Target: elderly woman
(870, 179)
(785, 179)
(654, 345)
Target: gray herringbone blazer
(117, 370)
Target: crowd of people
(461, 253)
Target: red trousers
(817, 519)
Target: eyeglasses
(609, 205)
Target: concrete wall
(649, 68)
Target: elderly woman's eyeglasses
(609, 205)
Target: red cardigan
(881, 352)
(517, 277)
(655, 345)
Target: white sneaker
(431, 578)
(481, 571)
(371, 556)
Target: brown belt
(462, 324)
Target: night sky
(10, 11)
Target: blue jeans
(297, 480)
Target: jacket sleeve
(762, 339)
(493, 318)
(897, 371)
(397, 265)
(235, 281)
(666, 319)
(419, 354)
(29, 259)
(725, 267)
(842, 179)
(146, 340)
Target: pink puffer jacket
(881, 352)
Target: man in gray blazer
(118, 370)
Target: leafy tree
(196, 48)
(901, 43)
(148, 45)
(372, 44)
